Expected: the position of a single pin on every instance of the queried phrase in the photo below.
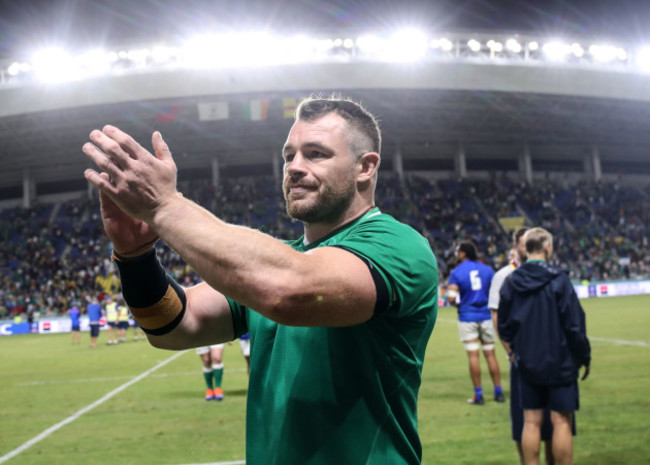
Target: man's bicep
(343, 288)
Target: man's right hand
(586, 373)
(130, 237)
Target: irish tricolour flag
(255, 110)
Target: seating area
(55, 253)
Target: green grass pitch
(55, 408)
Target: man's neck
(316, 231)
(537, 256)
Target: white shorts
(481, 330)
(206, 349)
(245, 345)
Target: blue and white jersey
(473, 280)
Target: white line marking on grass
(86, 409)
(620, 342)
(117, 378)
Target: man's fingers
(160, 147)
(102, 160)
(126, 144)
(100, 181)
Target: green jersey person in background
(339, 319)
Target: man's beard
(328, 207)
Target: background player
(468, 288)
(212, 359)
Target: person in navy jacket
(541, 318)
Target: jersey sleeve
(495, 288)
(453, 278)
(402, 258)
(239, 318)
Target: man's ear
(368, 166)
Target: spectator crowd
(56, 253)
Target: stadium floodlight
(53, 65)
(642, 59)
(407, 45)
(513, 45)
(577, 50)
(494, 46)
(602, 53)
(161, 54)
(621, 54)
(338, 42)
(94, 62)
(348, 43)
(556, 51)
(533, 46)
(474, 45)
(230, 50)
(14, 68)
(446, 44)
(370, 44)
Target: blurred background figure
(111, 319)
(75, 331)
(212, 358)
(94, 311)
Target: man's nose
(296, 165)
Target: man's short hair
(516, 235)
(536, 240)
(469, 249)
(366, 135)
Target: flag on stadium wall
(213, 111)
(289, 107)
(255, 110)
(168, 114)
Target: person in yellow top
(111, 319)
(122, 319)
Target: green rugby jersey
(346, 395)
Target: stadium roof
(493, 110)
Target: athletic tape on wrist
(156, 301)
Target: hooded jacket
(541, 318)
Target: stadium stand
(54, 253)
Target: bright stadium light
(556, 51)
(533, 46)
(348, 43)
(642, 59)
(94, 62)
(14, 68)
(230, 50)
(474, 45)
(577, 50)
(407, 45)
(443, 44)
(513, 45)
(53, 65)
(370, 44)
(162, 54)
(495, 46)
(602, 53)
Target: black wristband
(144, 281)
